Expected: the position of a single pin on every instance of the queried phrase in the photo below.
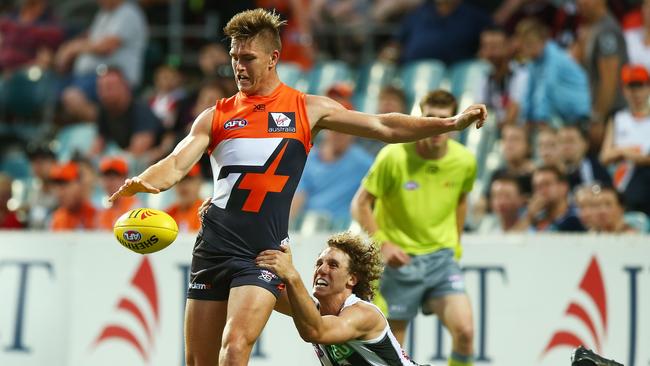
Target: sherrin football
(145, 230)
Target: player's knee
(236, 344)
(463, 334)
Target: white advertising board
(81, 299)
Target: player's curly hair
(365, 261)
(256, 22)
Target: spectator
(549, 208)
(214, 63)
(446, 30)
(336, 26)
(117, 37)
(515, 151)
(585, 200)
(548, 150)
(331, 177)
(168, 93)
(581, 168)
(604, 54)
(637, 39)
(40, 200)
(502, 88)
(188, 201)
(297, 39)
(609, 210)
(8, 217)
(114, 171)
(30, 36)
(558, 87)
(123, 122)
(627, 142)
(193, 105)
(74, 211)
(507, 204)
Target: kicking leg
(249, 308)
(204, 323)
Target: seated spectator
(30, 35)
(74, 211)
(214, 63)
(585, 200)
(507, 204)
(8, 217)
(188, 201)
(547, 148)
(447, 30)
(192, 105)
(609, 210)
(503, 87)
(296, 37)
(168, 93)
(117, 37)
(515, 151)
(114, 170)
(581, 168)
(638, 46)
(558, 87)
(549, 208)
(626, 149)
(123, 122)
(40, 201)
(332, 175)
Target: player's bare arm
(168, 171)
(358, 321)
(325, 113)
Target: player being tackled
(344, 327)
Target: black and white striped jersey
(381, 351)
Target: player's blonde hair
(365, 261)
(254, 23)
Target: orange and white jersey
(259, 146)
(629, 132)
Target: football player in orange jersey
(258, 141)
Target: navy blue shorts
(213, 274)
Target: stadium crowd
(567, 85)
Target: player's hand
(393, 255)
(204, 207)
(278, 261)
(476, 113)
(132, 186)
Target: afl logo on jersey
(233, 124)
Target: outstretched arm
(325, 113)
(168, 171)
(353, 323)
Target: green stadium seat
(292, 75)
(326, 74)
(372, 77)
(78, 137)
(638, 220)
(420, 77)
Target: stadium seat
(372, 77)
(77, 137)
(462, 77)
(638, 220)
(420, 77)
(326, 74)
(292, 75)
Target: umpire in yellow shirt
(413, 203)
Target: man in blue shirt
(558, 87)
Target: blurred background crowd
(94, 91)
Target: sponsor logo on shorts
(235, 123)
(396, 308)
(282, 122)
(267, 276)
(457, 282)
(200, 286)
(285, 241)
(132, 236)
(411, 185)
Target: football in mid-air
(145, 230)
